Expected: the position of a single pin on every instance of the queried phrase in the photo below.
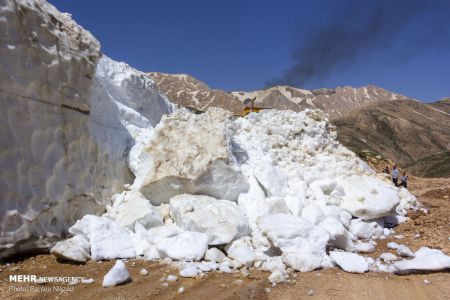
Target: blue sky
(243, 45)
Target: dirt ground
(432, 230)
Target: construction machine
(249, 106)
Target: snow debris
(388, 257)
(241, 251)
(350, 262)
(426, 281)
(189, 270)
(75, 249)
(272, 190)
(276, 277)
(364, 247)
(404, 251)
(181, 290)
(214, 255)
(425, 259)
(117, 275)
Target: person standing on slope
(404, 180)
(395, 175)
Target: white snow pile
(272, 190)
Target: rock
(172, 278)
(340, 237)
(184, 246)
(117, 275)
(75, 249)
(214, 255)
(241, 251)
(205, 166)
(222, 220)
(367, 197)
(303, 244)
(350, 262)
(143, 272)
(181, 290)
(131, 207)
(425, 259)
(107, 239)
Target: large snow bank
(297, 190)
(70, 117)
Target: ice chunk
(131, 207)
(404, 251)
(184, 246)
(196, 159)
(350, 262)
(75, 249)
(117, 275)
(313, 214)
(107, 239)
(388, 257)
(214, 255)
(368, 197)
(364, 247)
(303, 244)
(222, 220)
(365, 230)
(241, 251)
(276, 277)
(189, 270)
(340, 237)
(425, 259)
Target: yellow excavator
(249, 106)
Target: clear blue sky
(243, 45)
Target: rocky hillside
(414, 134)
(188, 91)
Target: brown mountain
(187, 91)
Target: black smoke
(359, 28)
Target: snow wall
(70, 117)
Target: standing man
(404, 180)
(395, 175)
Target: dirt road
(430, 229)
